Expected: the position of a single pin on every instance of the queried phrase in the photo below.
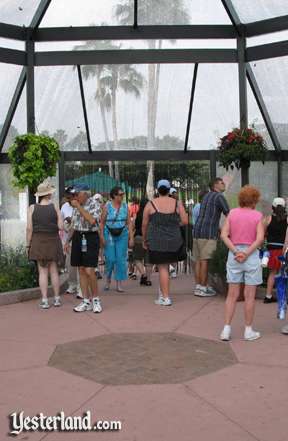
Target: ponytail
(280, 213)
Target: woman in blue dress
(116, 234)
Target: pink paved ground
(245, 402)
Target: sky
(58, 103)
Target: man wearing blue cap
(85, 245)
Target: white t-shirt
(66, 210)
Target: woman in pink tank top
(243, 234)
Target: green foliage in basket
(33, 158)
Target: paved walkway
(246, 400)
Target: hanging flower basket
(239, 147)
(33, 159)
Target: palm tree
(120, 77)
(101, 96)
(111, 78)
(152, 12)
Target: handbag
(116, 232)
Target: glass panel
(284, 180)
(256, 10)
(12, 44)
(271, 76)
(165, 12)
(232, 179)
(18, 125)
(58, 106)
(13, 210)
(9, 75)
(18, 12)
(216, 105)
(255, 118)
(268, 38)
(132, 107)
(89, 12)
(264, 177)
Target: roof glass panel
(177, 12)
(18, 12)
(271, 76)
(216, 105)
(90, 12)
(58, 106)
(147, 109)
(255, 118)
(9, 75)
(18, 125)
(255, 10)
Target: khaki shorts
(203, 249)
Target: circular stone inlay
(142, 358)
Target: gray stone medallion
(156, 358)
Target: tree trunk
(105, 128)
(115, 132)
(151, 119)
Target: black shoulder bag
(115, 231)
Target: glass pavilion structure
(140, 80)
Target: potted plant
(239, 147)
(33, 159)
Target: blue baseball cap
(163, 183)
(81, 187)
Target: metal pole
(213, 165)
(193, 87)
(61, 176)
(84, 108)
(243, 107)
(135, 25)
(30, 87)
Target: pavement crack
(73, 412)
(191, 316)
(190, 391)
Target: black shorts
(90, 258)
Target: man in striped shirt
(206, 234)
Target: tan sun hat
(44, 189)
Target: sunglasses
(120, 194)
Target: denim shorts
(248, 272)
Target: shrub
(16, 272)
(217, 264)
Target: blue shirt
(207, 224)
(116, 218)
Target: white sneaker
(79, 294)
(173, 274)
(57, 301)
(163, 301)
(83, 306)
(204, 292)
(226, 333)
(96, 304)
(44, 304)
(211, 290)
(251, 335)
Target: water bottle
(84, 244)
(265, 259)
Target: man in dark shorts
(206, 234)
(85, 246)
